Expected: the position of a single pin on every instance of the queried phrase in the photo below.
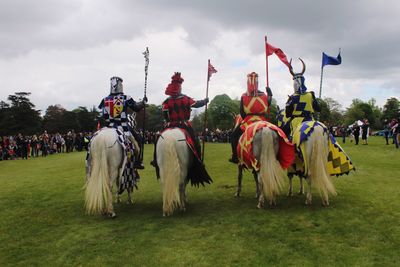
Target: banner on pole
(328, 60)
(278, 52)
(211, 70)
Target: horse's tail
(98, 192)
(318, 164)
(170, 174)
(271, 172)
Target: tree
(391, 109)
(325, 114)
(154, 118)
(359, 110)
(53, 120)
(222, 111)
(87, 120)
(20, 116)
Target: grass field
(43, 223)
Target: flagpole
(320, 84)
(266, 69)
(205, 114)
(266, 60)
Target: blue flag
(328, 60)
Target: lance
(266, 70)
(205, 112)
(146, 68)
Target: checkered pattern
(118, 120)
(302, 104)
(178, 108)
(130, 177)
(338, 161)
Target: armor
(116, 85)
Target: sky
(65, 51)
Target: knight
(176, 111)
(254, 106)
(301, 105)
(116, 109)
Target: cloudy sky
(65, 51)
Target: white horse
(270, 176)
(106, 167)
(315, 166)
(174, 159)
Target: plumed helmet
(252, 83)
(116, 85)
(298, 78)
(175, 86)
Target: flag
(277, 51)
(328, 60)
(211, 70)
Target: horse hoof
(260, 206)
(112, 215)
(237, 194)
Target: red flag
(277, 51)
(211, 70)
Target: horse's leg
(239, 185)
(117, 198)
(110, 208)
(309, 195)
(261, 199)
(301, 191)
(182, 196)
(290, 193)
(129, 190)
(257, 186)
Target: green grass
(42, 220)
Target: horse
(314, 165)
(174, 159)
(270, 174)
(105, 167)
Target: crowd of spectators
(361, 128)
(24, 147)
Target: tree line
(18, 115)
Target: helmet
(175, 87)
(252, 83)
(298, 79)
(116, 85)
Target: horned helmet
(252, 84)
(298, 78)
(116, 85)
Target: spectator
(365, 132)
(356, 132)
